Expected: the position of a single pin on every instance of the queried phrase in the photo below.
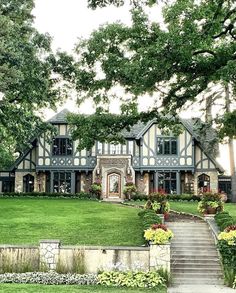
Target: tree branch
(204, 51)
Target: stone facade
(142, 183)
(86, 181)
(19, 180)
(213, 181)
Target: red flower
(159, 226)
(230, 228)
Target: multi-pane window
(62, 182)
(62, 146)
(167, 146)
(167, 182)
(131, 147)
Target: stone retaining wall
(51, 255)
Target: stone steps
(194, 257)
(186, 281)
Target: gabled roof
(137, 131)
(59, 118)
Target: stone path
(195, 264)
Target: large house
(151, 160)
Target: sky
(68, 20)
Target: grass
(12, 288)
(26, 221)
(191, 207)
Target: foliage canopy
(176, 61)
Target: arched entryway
(114, 185)
(203, 183)
(28, 183)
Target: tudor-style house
(151, 160)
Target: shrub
(51, 278)
(158, 234)
(224, 220)
(139, 196)
(234, 284)
(131, 279)
(183, 197)
(148, 218)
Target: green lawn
(191, 207)
(26, 221)
(12, 288)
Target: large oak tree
(26, 82)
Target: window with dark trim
(62, 182)
(167, 182)
(28, 183)
(204, 183)
(62, 146)
(167, 146)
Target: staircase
(194, 258)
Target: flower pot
(211, 210)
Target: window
(131, 147)
(8, 185)
(62, 147)
(167, 182)
(203, 183)
(167, 146)
(62, 182)
(28, 183)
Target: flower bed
(51, 278)
(227, 248)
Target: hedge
(80, 195)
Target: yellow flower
(158, 236)
(229, 237)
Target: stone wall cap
(50, 241)
(129, 248)
(25, 246)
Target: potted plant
(96, 189)
(210, 203)
(158, 202)
(129, 190)
(158, 234)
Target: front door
(114, 188)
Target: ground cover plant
(26, 221)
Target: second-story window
(62, 146)
(167, 146)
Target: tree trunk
(231, 150)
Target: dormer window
(167, 146)
(62, 146)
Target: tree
(195, 49)
(26, 82)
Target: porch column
(51, 181)
(72, 182)
(178, 180)
(155, 183)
